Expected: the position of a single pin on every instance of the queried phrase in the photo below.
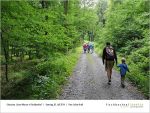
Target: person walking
(108, 58)
(88, 47)
(91, 44)
(84, 47)
(123, 69)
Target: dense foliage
(127, 28)
(39, 40)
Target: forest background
(41, 42)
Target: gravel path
(89, 82)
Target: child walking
(123, 69)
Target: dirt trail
(89, 82)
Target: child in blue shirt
(123, 69)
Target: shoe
(109, 83)
(122, 85)
(109, 80)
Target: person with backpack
(84, 47)
(108, 58)
(91, 47)
(123, 69)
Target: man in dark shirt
(108, 58)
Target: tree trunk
(66, 2)
(30, 55)
(37, 52)
(11, 53)
(6, 55)
(44, 3)
(21, 55)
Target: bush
(52, 74)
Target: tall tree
(66, 3)
(6, 55)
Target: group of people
(109, 57)
(88, 47)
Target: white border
(75, 106)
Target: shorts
(109, 64)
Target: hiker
(123, 69)
(84, 47)
(108, 58)
(88, 47)
(91, 47)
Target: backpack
(110, 53)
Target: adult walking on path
(91, 44)
(84, 47)
(108, 58)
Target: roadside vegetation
(125, 24)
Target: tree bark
(44, 3)
(6, 55)
(66, 2)
(30, 57)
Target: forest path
(89, 82)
